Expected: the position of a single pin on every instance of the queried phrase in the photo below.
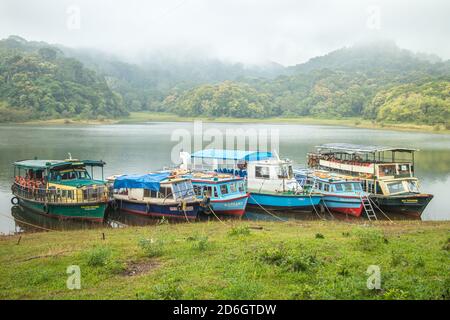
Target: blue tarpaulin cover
(231, 155)
(147, 181)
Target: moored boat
(226, 193)
(339, 195)
(389, 180)
(156, 194)
(270, 181)
(60, 188)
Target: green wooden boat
(60, 188)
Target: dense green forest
(376, 81)
(39, 82)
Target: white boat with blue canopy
(270, 180)
(156, 194)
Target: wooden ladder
(368, 209)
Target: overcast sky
(249, 31)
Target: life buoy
(14, 201)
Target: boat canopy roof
(56, 164)
(150, 181)
(357, 148)
(237, 155)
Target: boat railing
(53, 195)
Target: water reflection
(29, 221)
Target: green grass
(207, 260)
(141, 117)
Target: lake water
(141, 148)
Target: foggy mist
(252, 32)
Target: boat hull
(157, 210)
(284, 201)
(85, 211)
(348, 205)
(230, 207)
(412, 205)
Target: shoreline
(236, 260)
(144, 117)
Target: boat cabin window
(262, 172)
(164, 191)
(223, 189)
(348, 187)
(183, 189)
(241, 187)
(387, 170)
(150, 193)
(357, 186)
(403, 169)
(284, 172)
(412, 186)
(396, 187)
(338, 187)
(209, 191)
(198, 190)
(233, 187)
(326, 187)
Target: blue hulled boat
(226, 193)
(156, 195)
(339, 194)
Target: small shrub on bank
(395, 294)
(320, 236)
(167, 291)
(199, 242)
(98, 256)
(292, 261)
(151, 247)
(368, 239)
(239, 231)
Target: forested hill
(377, 81)
(38, 82)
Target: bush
(368, 239)
(98, 256)
(280, 256)
(239, 231)
(151, 247)
(395, 294)
(168, 291)
(320, 236)
(199, 242)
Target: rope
(30, 224)
(379, 209)
(209, 206)
(273, 215)
(328, 210)
(314, 207)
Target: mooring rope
(380, 209)
(274, 215)
(314, 207)
(216, 215)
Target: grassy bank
(242, 260)
(141, 117)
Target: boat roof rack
(357, 148)
(54, 164)
(237, 155)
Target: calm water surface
(143, 147)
